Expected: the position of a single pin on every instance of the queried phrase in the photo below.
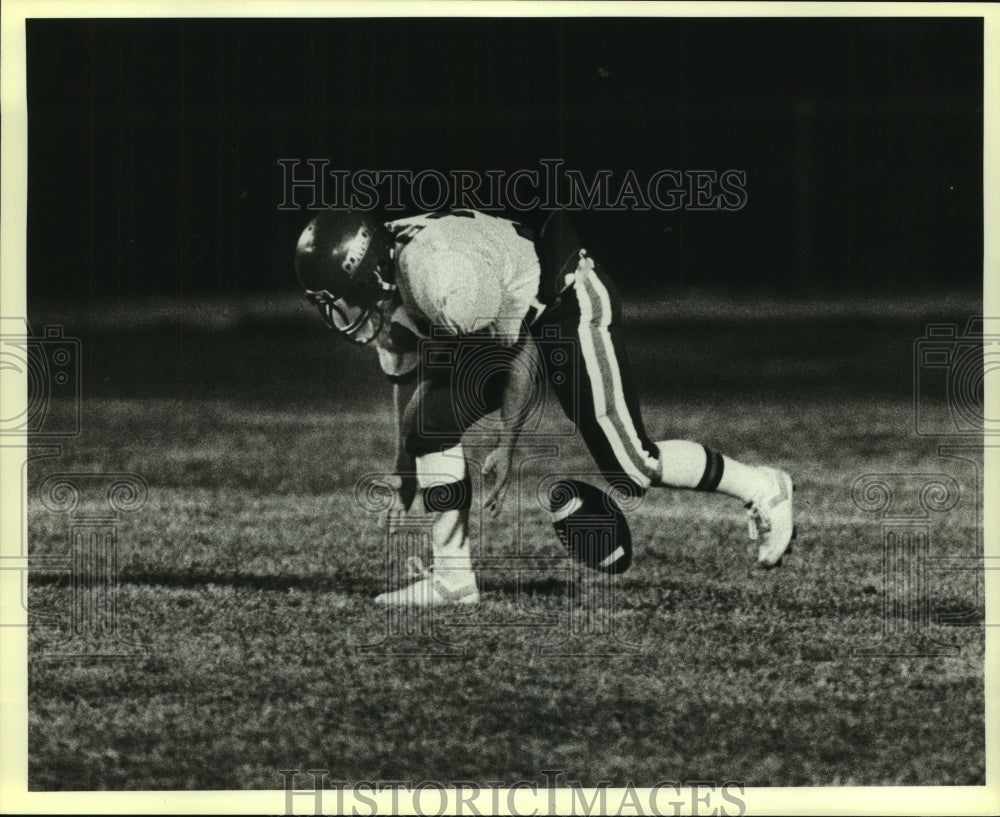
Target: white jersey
(463, 272)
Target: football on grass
(591, 526)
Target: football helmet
(344, 262)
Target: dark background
(153, 144)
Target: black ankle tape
(713, 471)
(448, 496)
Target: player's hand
(496, 469)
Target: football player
(476, 279)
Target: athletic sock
(450, 541)
(740, 480)
(686, 464)
(682, 463)
(447, 494)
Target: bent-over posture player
(472, 278)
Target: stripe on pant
(606, 382)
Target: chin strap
(384, 285)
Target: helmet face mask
(344, 262)
(358, 323)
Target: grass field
(249, 573)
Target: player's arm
(519, 389)
(402, 393)
(398, 358)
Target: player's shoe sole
(429, 592)
(772, 521)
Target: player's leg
(433, 424)
(593, 394)
(606, 407)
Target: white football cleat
(771, 520)
(431, 591)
